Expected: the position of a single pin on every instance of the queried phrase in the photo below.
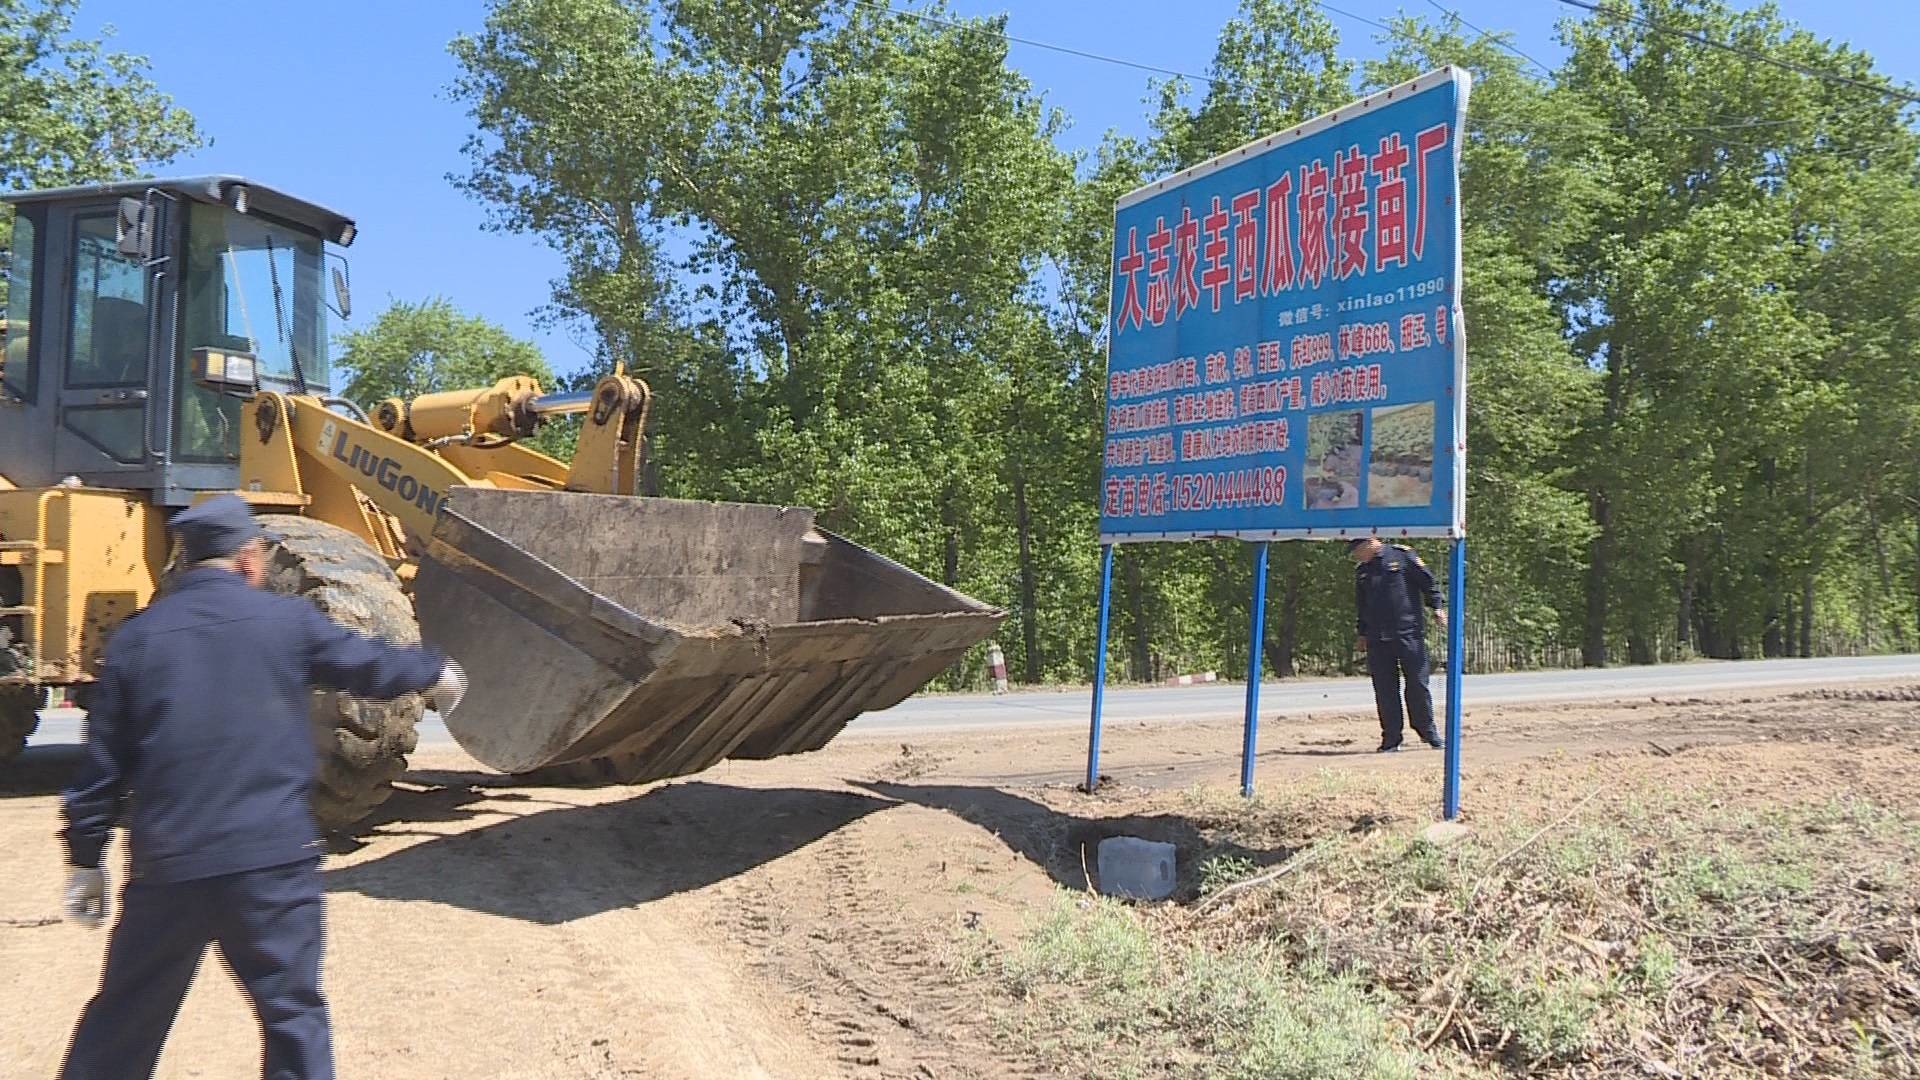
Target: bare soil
(799, 917)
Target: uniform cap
(1357, 541)
(215, 528)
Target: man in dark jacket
(1391, 586)
(197, 740)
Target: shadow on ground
(1066, 846)
(556, 865)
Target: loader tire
(362, 745)
(19, 716)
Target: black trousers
(267, 924)
(1387, 661)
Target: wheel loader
(167, 340)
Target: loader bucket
(681, 633)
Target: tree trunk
(1139, 654)
(1792, 629)
(1287, 644)
(1885, 572)
(1029, 604)
(950, 524)
(1639, 647)
(1593, 648)
(1806, 614)
(1813, 563)
(1685, 636)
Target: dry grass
(1685, 921)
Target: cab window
(16, 351)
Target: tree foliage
(72, 111)
(413, 349)
(846, 248)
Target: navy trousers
(1387, 661)
(267, 924)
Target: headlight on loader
(222, 371)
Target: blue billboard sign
(1285, 353)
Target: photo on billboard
(1335, 446)
(1400, 467)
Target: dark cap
(1357, 541)
(215, 528)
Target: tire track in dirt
(866, 966)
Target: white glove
(446, 693)
(86, 897)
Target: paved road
(948, 714)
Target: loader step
(22, 552)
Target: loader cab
(111, 288)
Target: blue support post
(1456, 664)
(1099, 666)
(1258, 636)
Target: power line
(1478, 124)
(1788, 65)
(1083, 54)
(1323, 5)
(1500, 40)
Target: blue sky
(345, 102)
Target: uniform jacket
(1389, 590)
(198, 737)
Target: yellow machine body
(77, 562)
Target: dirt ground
(791, 918)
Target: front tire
(362, 745)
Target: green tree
(817, 228)
(414, 349)
(71, 111)
(1698, 470)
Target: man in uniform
(197, 739)
(1390, 587)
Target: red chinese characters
(1159, 264)
(1130, 265)
(1186, 263)
(1218, 272)
(1350, 217)
(1390, 203)
(1246, 246)
(1360, 210)
(1279, 265)
(1425, 145)
(1268, 358)
(1313, 203)
(1413, 331)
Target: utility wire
(1083, 54)
(1645, 129)
(1323, 5)
(1500, 40)
(1750, 54)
